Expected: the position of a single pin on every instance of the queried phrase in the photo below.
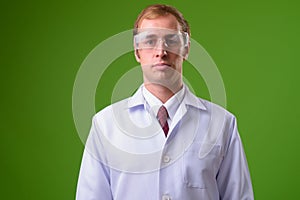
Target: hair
(158, 10)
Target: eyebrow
(170, 35)
(165, 36)
(151, 36)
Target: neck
(161, 92)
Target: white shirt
(127, 156)
(171, 105)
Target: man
(163, 142)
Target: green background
(255, 45)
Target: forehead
(164, 22)
(156, 32)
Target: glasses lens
(173, 40)
(160, 38)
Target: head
(161, 62)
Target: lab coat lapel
(189, 100)
(181, 111)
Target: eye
(149, 42)
(173, 40)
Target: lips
(161, 65)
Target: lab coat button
(166, 159)
(166, 197)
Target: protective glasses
(169, 40)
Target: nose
(160, 52)
(160, 49)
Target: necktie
(162, 116)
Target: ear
(136, 52)
(186, 52)
(137, 56)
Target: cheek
(177, 60)
(145, 58)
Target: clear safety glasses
(169, 40)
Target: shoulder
(108, 112)
(219, 116)
(205, 106)
(213, 107)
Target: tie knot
(162, 113)
(162, 116)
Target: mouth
(161, 65)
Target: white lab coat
(127, 156)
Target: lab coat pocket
(199, 172)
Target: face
(161, 64)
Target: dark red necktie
(162, 117)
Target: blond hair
(157, 10)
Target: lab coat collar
(137, 99)
(191, 100)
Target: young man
(163, 142)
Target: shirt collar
(171, 105)
(188, 98)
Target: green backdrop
(255, 45)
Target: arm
(94, 179)
(233, 178)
